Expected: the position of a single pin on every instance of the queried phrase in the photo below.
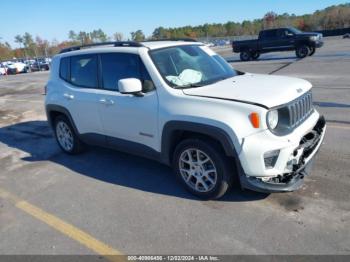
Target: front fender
(172, 128)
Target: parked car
(11, 68)
(39, 66)
(3, 69)
(181, 104)
(16, 68)
(276, 40)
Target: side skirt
(121, 145)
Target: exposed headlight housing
(272, 119)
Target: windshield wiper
(201, 83)
(188, 86)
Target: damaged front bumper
(309, 146)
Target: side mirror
(130, 86)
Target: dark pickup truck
(39, 66)
(281, 39)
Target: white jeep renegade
(180, 103)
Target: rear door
(80, 75)
(269, 40)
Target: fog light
(270, 158)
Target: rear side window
(116, 66)
(282, 33)
(83, 71)
(64, 68)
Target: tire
(302, 51)
(255, 55)
(245, 56)
(219, 174)
(66, 137)
(312, 51)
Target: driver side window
(287, 33)
(116, 66)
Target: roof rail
(116, 44)
(172, 39)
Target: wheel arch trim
(60, 109)
(172, 127)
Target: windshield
(191, 66)
(294, 30)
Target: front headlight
(313, 38)
(272, 119)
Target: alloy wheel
(198, 170)
(64, 136)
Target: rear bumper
(294, 180)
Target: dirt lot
(109, 202)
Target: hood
(263, 90)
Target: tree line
(332, 17)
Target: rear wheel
(312, 51)
(66, 137)
(245, 56)
(202, 168)
(302, 51)
(255, 55)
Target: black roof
(116, 44)
(122, 44)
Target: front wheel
(312, 51)
(302, 51)
(255, 55)
(202, 168)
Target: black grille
(300, 109)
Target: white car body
(2, 70)
(19, 66)
(225, 106)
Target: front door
(286, 39)
(127, 118)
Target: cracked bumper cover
(296, 178)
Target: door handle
(68, 96)
(105, 101)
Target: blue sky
(54, 18)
